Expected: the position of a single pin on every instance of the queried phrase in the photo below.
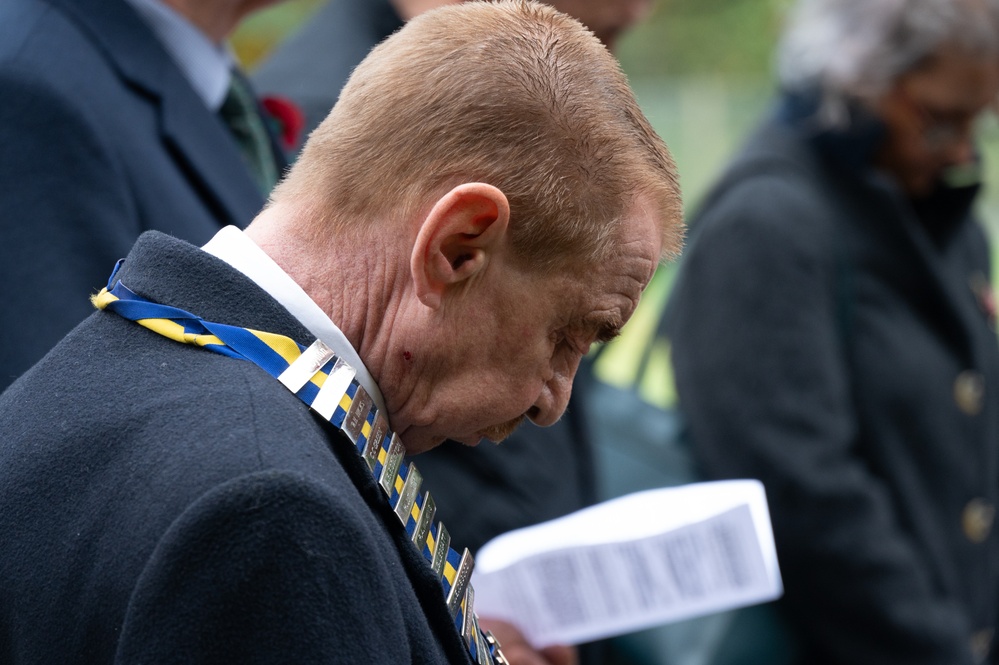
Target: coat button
(969, 392)
(977, 520)
(981, 644)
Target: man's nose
(961, 148)
(962, 151)
(554, 398)
(551, 403)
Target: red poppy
(287, 119)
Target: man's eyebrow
(605, 328)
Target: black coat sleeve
(270, 568)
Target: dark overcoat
(838, 341)
(160, 503)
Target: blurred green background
(702, 70)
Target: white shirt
(235, 248)
(206, 65)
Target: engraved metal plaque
(378, 431)
(407, 497)
(461, 580)
(441, 545)
(306, 366)
(468, 618)
(393, 460)
(427, 514)
(485, 658)
(333, 389)
(497, 656)
(358, 413)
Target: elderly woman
(834, 332)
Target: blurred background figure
(119, 116)
(312, 65)
(833, 332)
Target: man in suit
(208, 469)
(111, 126)
(834, 332)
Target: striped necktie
(241, 115)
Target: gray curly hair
(856, 49)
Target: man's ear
(457, 239)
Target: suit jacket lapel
(196, 137)
(203, 144)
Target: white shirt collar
(206, 65)
(235, 248)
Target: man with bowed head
(834, 332)
(540, 474)
(208, 469)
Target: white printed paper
(641, 560)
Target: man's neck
(367, 293)
(328, 276)
(216, 18)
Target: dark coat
(162, 503)
(101, 138)
(828, 340)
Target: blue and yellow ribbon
(275, 354)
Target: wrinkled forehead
(607, 291)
